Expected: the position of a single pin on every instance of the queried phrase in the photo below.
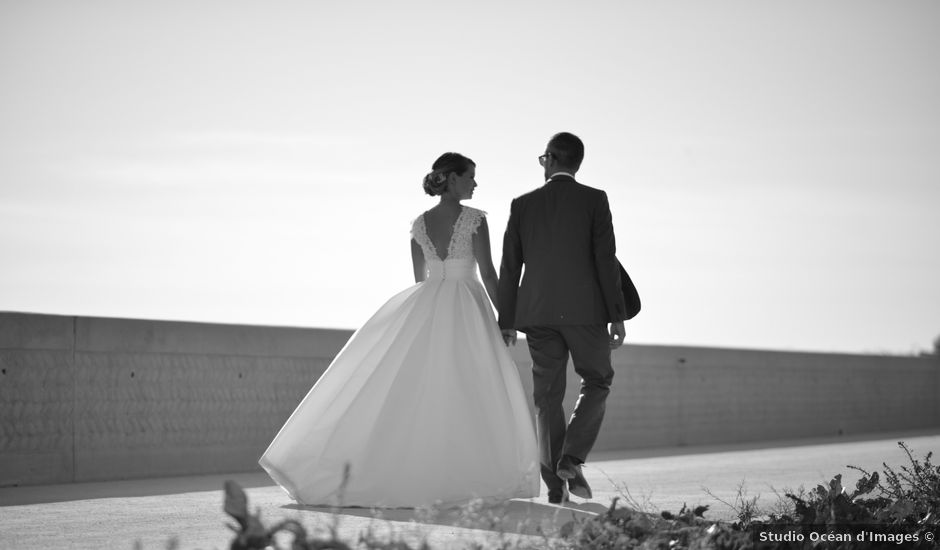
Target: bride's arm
(417, 260)
(481, 250)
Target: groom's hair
(568, 149)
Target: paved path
(152, 511)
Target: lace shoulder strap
(467, 225)
(472, 220)
(419, 232)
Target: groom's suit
(563, 234)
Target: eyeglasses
(543, 158)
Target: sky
(773, 168)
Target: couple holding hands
(424, 405)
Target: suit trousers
(550, 347)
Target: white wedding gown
(424, 403)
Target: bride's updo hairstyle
(435, 183)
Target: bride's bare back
(440, 223)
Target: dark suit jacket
(563, 234)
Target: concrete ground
(150, 513)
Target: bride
(424, 403)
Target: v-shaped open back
(459, 242)
(450, 239)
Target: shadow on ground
(44, 494)
(520, 517)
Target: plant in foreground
(908, 497)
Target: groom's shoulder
(589, 189)
(530, 194)
(544, 191)
(526, 197)
(592, 194)
(537, 192)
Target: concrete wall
(86, 399)
(676, 396)
(91, 399)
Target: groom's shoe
(570, 470)
(579, 487)
(558, 496)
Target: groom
(563, 234)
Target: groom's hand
(617, 334)
(509, 336)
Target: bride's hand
(509, 336)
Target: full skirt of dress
(424, 405)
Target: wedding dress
(424, 403)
